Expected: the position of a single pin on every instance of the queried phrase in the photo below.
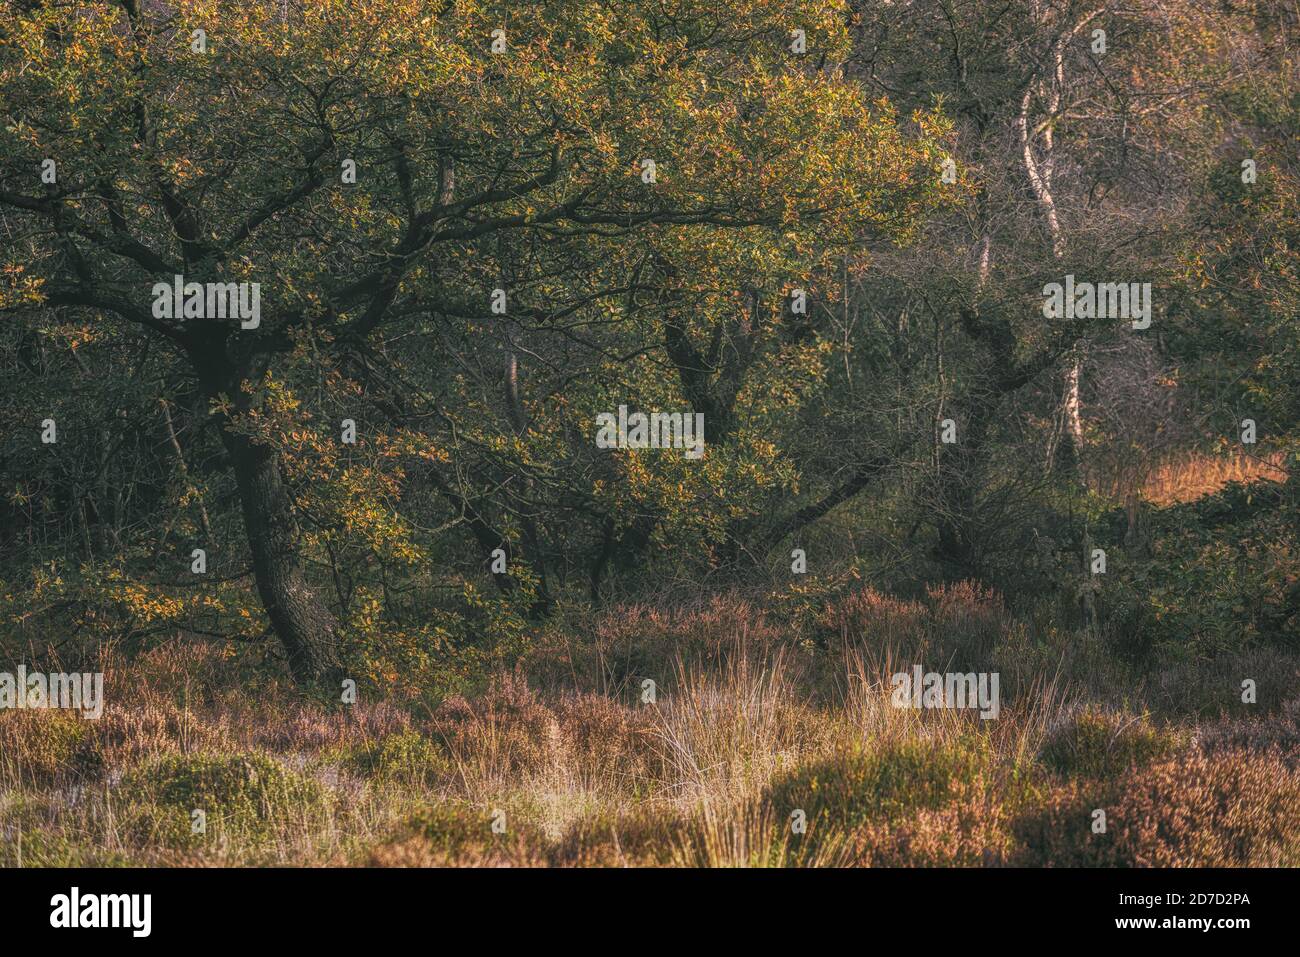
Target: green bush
(859, 787)
(640, 836)
(1096, 743)
(1223, 576)
(241, 795)
(452, 828)
(41, 747)
(456, 834)
(43, 847)
(407, 758)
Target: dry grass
(1190, 476)
(562, 763)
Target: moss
(243, 795)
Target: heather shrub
(606, 739)
(507, 729)
(41, 747)
(960, 621)
(1212, 688)
(967, 621)
(615, 652)
(865, 614)
(1276, 732)
(859, 787)
(1234, 809)
(972, 832)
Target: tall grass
(1192, 475)
(582, 771)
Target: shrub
(40, 747)
(1096, 743)
(973, 832)
(241, 795)
(42, 847)
(507, 729)
(1278, 732)
(641, 836)
(855, 789)
(1224, 573)
(453, 834)
(968, 620)
(45, 830)
(407, 758)
(1213, 688)
(865, 614)
(1235, 809)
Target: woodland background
(1115, 157)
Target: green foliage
(447, 650)
(453, 833)
(1097, 743)
(408, 758)
(1224, 574)
(856, 788)
(451, 828)
(43, 847)
(245, 795)
(521, 169)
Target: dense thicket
(838, 257)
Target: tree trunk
(1073, 414)
(305, 626)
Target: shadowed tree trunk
(304, 625)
